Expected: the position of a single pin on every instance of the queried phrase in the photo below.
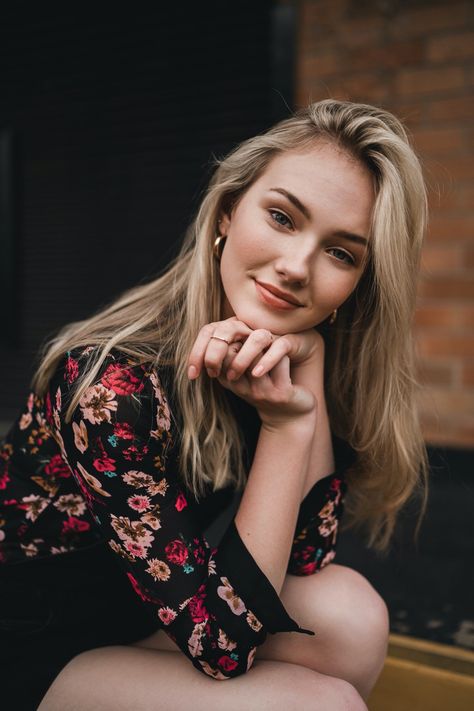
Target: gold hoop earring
(218, 246)
(333, 317)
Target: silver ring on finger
(219, 338)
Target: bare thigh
(124, 678)
(348, 616)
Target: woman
(273, 358)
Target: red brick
(319, 65)
(446, 433)
(440, 258)
(435, 373)
(387, 56)
(451, 47)
(455, 228)
(430, 81)
(442, 317)
(415, 22)
(439, 141)
(439, 346)
(454, 403)
(455, 287)
(367, 87)
(449, 171)
(451, 197)
(451, 109)
(361, 32)
(468, 374)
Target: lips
(271, 299)
(281, 294)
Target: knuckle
(261, 335)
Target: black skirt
(54, 608)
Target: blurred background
(109, 122)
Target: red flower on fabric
(196, 607)
(181, 503)
(123, 430)
(308, 568)
(105, 464)
(71, 370)
(139, 591)
(4, 479)
(57, 467)
(307, 552)
(176, 552)
(132, 453)
(49, 408)
(336, 484)
(226, 663)
(75, 524)
(121, 380)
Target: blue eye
(276, 213)
(343, 256)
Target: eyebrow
(304, 210)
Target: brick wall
(416, 59)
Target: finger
(230, 330)
(278, 349)
(256, 344)
(280, 374)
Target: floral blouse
(111, 474)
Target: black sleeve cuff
(344, 457)
(252, 585)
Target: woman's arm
(119, 447)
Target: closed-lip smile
(281, 294)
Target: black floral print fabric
(112, 474)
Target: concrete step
(424, 676)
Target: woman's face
(302, 228)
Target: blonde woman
(271, 365)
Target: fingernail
(211, 373)
(192, 371)
(258, 370)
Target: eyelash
(280, 226)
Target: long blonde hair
(371, 381)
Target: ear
(224, 224)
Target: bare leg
(124, 678)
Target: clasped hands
(255, 365)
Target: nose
(293, 266)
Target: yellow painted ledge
(424, 676)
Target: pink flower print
(30, 402)
(210, 671)
(251, 657)
(94, 483)
(49, 408)
(139, 502)
(158, 570)
(227, 593)
(328, 526)
(151, 519)
(336, 484)
(166, 615)
(225, 643)
(97, 404)
(253, 622)
(25, 421)
(330, 555)
(137, 479)
(134, 453)
(180, 503)
(80, 436)
(121, 380)
(71, 370)
(58, 400)
(194, 642)
(33, 505)
(136, 549)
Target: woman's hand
(220, 350)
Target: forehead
(326, 179)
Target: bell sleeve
(120, 445)
(320, 514)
